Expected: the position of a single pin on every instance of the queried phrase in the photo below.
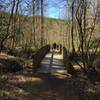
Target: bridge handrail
(39, 55)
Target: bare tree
(8, 26)
(72, 27)
(85, 35)
(42, 21)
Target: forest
(50, 58)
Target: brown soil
(27, 86)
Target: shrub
(11, 65)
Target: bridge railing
(38, 56)
(67, 62)
(65, 56)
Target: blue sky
(55, 8)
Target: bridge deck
(52, 63)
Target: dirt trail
(57, 85)
(47, 87)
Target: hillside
(55, 30)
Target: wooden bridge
(52, 62)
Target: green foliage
(3, 78)
(4, 93)
(94, 89)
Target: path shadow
(50, 87)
